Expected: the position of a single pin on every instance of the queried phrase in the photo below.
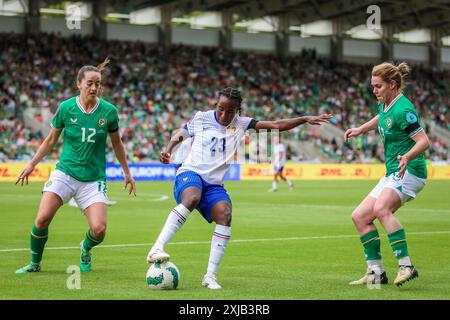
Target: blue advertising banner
(157, 172)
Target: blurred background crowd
(157, 90)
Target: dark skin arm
(287, 124)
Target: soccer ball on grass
(165, 276)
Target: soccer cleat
(110, 202)
(371, 278)
(405, 274)
(29, 268)
(291, 187)
(85, 259)
(210, 282)
(157, 255)
(272, 190)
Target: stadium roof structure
(399, 15)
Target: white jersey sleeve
(194, 123)
(182, 152)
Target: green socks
(372, 244)
(38, 239)
(397, 240)
(90, 242)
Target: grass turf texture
(314, 253)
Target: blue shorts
(211, 193)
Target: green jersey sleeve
(58, 118)
(408, 121)
(114, 123)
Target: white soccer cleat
(110, 202)
(157, 255)
(210, 282)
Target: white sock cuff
(181, 210)
(222, 231)
(374, 263)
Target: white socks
(289, 182)
(174, 222)
(219, 242)
(405, 261)
(274, 185)
(375, 266)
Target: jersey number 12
(91, 133)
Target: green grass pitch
(285, 245)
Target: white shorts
(406, 188)
(84, 193)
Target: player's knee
(356, 217)
(42, 222)
(98, 231)
(382, 213)
(224, 217)
(192, 202)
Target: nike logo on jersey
(73, 120)
(185, 179)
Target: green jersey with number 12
(397, 124)
(83, 154)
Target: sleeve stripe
(185, 127)
(411, 128)
(252, 124)
(416, 132)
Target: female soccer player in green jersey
(80, 173)
(404, 143)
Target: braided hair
(233, 94)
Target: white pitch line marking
(233, 241)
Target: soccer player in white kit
(199, 181)
(279, 161)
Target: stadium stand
(156, 91)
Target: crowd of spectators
(157, 89)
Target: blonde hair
(390, 72)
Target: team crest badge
(102, 122)
(389, 122)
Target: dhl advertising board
(154, 172)
(322, 171)
(10, 171)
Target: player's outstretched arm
(177, 138)
(287, 124)
(119, 150)
(366, 127)
(43, 150)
